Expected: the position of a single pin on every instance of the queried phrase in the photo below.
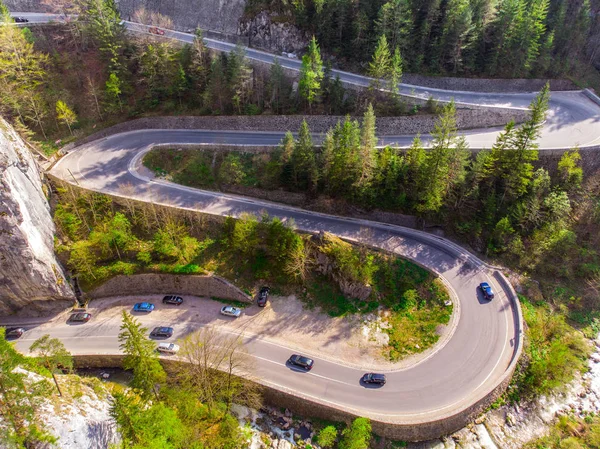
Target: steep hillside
(214, 15)
(30, 275)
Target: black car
(80, 317)
(162, 332)
(21, 20)
(301, 361)
(263, 295)
(374, 378)
(14, 332)
(172, 299)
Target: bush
(357, 436)
(327, 436)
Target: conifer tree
(140, 356)
(311, 73)
(379, 67)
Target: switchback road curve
(480, 355)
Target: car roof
(377, 376)
(166, 345)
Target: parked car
(167, 348)
(231, 311)
(301, 361)
(374, 378)
(172, 299)
(21, 20)
(156, 30)
(263, 296)
(143, 307)
(80, 317)
(487, 291)
(14, 332)
(162, 332)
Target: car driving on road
(80, 317)
(156, 30)
(143, 307)
(167, 348)
(263, 296)
(21, 20)
(374, 378)
(162, 332)
(301, 361)
(231, 311)
(487, 291)
(14, 332)
(172, 299)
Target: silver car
(231, 311)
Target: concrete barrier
(592, 96)
(159, 283)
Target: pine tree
(65, 115)
(395, 74)
(395, 22)
(53, 355)
(305, 175)
(103, 23)
(519, 148)
(140, 357)
(240, 78)
(311, 73)
(456, 31)
(366, 159)
(180, 84)
(278, 87)
(446, 162)
(113, 92)
(379, 67)
(199, 67)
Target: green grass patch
(231, 302)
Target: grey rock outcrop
(30, 275)
(264, 32)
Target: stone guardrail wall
(592, 96)
(395, 429)
(180, 284)
(466, 119)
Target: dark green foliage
(510, 38)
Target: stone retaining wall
(486, 84)
(466, 119)
(151, 283)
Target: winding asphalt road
(465, 369)
(487, 338)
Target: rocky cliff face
(264, 32)
(214, 15)
(30, 275)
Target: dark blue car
(487, 291)
(143, 307)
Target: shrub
(327, 436)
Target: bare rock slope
(30, 275)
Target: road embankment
(153, 283)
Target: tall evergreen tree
(379, 67)
(395, 74)
(395, 22)
(305, 174)
(103, 22)
(456, 33)
(140, 356)
(311, 73)
(366, 156)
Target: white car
(231, 311)
(168, 348)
